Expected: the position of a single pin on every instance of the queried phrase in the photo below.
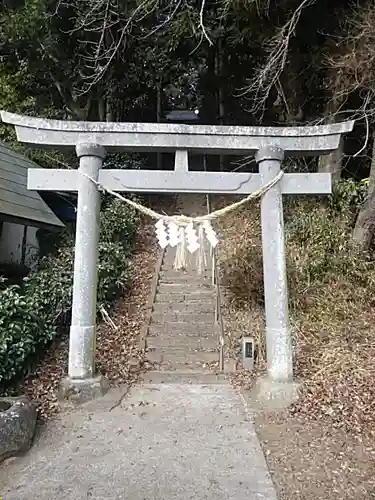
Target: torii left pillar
(83, 383)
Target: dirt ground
(308, 460)
(324, 446)
(118, 356)
(313, 461)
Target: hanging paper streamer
(180, 262)
(173, 234)
(201, 257)
(188, 238)
(161, 234)
(192, 238)
(210, 233)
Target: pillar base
(83, 390)
(270, 394)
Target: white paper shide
(169, 233)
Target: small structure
(182, 116)
(269, 145)
(196, 161)
(22, 211)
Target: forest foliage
(290, 61)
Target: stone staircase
(182, 341)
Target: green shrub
(322, 253)
(117, 230)
(119, 222)
(51, 285)
(113, 271)
(23, 332)
(320, 250)
(30, 317)
(347, 197)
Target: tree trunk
(219, 70)
(364, 228)
(109, 115)
(159, 111)
(101, 108)
(332, 163)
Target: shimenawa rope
(183, 221)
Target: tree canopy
(266, 61)
(237, 61)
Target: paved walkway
(162, 442)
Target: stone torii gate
(91, 141)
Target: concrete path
(187, 438)
(161, 442)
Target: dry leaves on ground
(324, 446)
(311, 460)
(118, 356)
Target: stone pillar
(278, 339)
(278, 387)
(82, 382)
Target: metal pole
(278, 337)
(83, 328)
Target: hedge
(32, 314)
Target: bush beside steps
(32, 313)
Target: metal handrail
(215, 277)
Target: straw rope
(183, 221)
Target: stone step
(183, 367)
(193, 344)
(181, 272)
(181, 356)
(173, 352)
(191, 258)
(192, 308)
(178, 275)
(183, 377)
(207, 319)
(183, 281)
(170, 360)
(179, 329)
(186, 289)
(191, 270)
(181, 340)
(193, 297)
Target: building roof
(182, 115)
(17, 203)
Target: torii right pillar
(278, 388)
(278, 338)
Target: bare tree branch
(201, 22)
(267, 76)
